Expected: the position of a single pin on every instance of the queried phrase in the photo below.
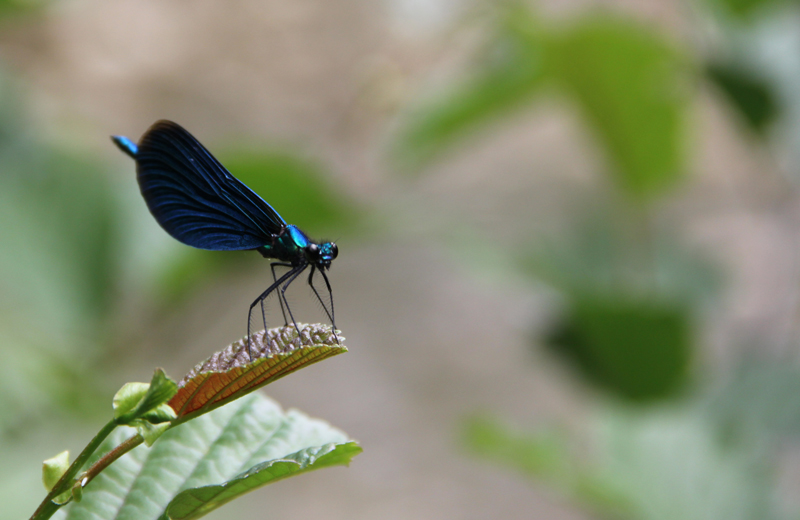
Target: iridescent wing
(193, 197)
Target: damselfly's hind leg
(290, 275)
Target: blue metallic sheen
(126, 145)
(327, 251)
(193, 197)
(300, 239)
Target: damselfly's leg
(295, 273)
(281, 298)
(290, 274)
(321, 301)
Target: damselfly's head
(322, 254)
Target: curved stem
(48, 507)
(110, 457)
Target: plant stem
(110, 457)
(48, 507)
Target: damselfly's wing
(195, 199)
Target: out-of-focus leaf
(745, 9)
(652, 465)
(231, 373)
(57, 274)
(751, 96)
(545, 457)
(220, 448)
(636, 349)
(61, 245)
(511, 76)
(297, 188)
(15, 7)
(630, 84)
(670, 465)
(762, 400)
(632, 87)
(604, 254)
(193, 267)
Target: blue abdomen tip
(125, 144)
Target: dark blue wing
(195, 199)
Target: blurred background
(569, 272)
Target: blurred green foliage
(510, 73)
(654, 464)
(546, 456)
(636, 349)
(298, 188)
(632, 290)
(58, 265)
(17, 7)
(633, 89)
(627, 325)
(758, 403)
(629, 295)
(750, 95)
(629, 83)
(607, 253)
(745, 9)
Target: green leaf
(135, 400)
(53, 468)
(749, 94)
(608, 251)
(128, 397)
(636, 349)
(221, 448)
(632, 88)
(194, 503)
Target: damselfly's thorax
(293, 246)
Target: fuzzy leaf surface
(230, 373)
(233, 447)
